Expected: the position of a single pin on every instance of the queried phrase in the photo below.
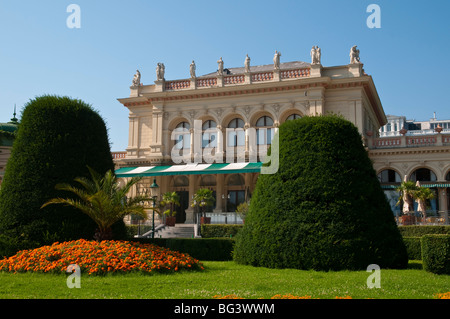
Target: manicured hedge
(57, 139)
(211, 249)
(419, 231)
(413, 247)
(436, 253)
(220, 230)
(324, 208)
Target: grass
(226, 278)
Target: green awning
(442, 185)
(436, 185)
(189, 169)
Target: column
(220, 179)
(157, 132)
(219, 146)
(190, 210)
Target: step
(177, 231)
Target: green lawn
(224, 278)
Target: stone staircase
(178, 231)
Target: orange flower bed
(445, 295)
(103, 257)
(277, 296)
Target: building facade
(7, 136)
(417, 151)
(232, 115)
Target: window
(236, 137)
(209, 136)
(423, 175)
(293, 117)
(265, 130)
(235, 198)
(183, 136)
(389, 176)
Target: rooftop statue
(192, 69)
(220, 66)
(137, 79)
(315, 55)
(354, 55)
(160, 70)
(247, 64)
(276, 60)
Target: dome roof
(8, 127)
(12, 125)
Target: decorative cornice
(408, 151)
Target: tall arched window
(209, 134)
(389, 176)
(182, 136)
(236, 134)
(265, 130)
(423, 175)
(293, 117)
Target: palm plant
(422, 194)
(103, 200)
(172, 199)
(203, 198)
(407, 191)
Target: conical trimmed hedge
(324, 209)
(57, 139)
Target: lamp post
(154, 190)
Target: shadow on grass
(415, 264)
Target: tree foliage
(57, 139)
(324, 209)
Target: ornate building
(7, 136)
(213, 130)
(417, 151)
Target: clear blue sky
(408, 56)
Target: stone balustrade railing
(118, 155)
(235, 79)
(298, 73)
(262, 76)
(409, 141)
(206, 82)
(177, 85)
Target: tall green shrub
(324, 209)
(56, 141)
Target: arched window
(236, 180)
(293, 117)
(180, 181)
(423, 175)
(447, 177)
(208, 180)
(265, 130)
(389, 176)
(236, 134)
(182, 136)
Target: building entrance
(181, 209)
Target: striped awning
(189, 169)
(442, 185)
